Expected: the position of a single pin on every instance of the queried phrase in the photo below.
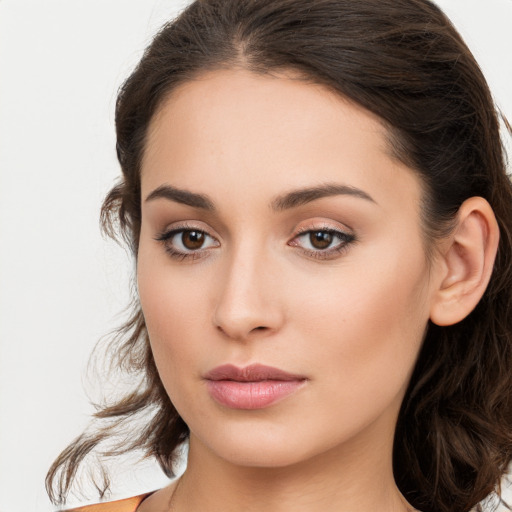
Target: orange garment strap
(126, 505)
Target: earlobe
(466, 263)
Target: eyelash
(166, 236)
(345, 239)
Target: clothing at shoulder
(126, 505)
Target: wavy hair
(405, 62)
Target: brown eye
(192, 240)
(320, 239)
(323, 244)
(187, 243)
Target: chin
(270, 455)
(264, 445)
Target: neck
(345, 478)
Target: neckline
(143, 497)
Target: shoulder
(126, 505)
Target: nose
(247, 305)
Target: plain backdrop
(61, 285)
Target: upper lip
(251, 373)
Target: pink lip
(253, 387)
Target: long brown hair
(405, 62)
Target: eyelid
(170, 232)
(324, 226)
(346, 237)
(186, 226)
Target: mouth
(252, 387)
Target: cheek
(175, 325)
(168, 306)
(364, 328)
(173, 315)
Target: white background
(61, 284)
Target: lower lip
(251, 395)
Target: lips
(252, 387)
(252, 373)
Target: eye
(185, 242)
(324, 243)
(320, 239)
(191, 240)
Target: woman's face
(277, 230)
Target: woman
(316, 197)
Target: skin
(351, 322)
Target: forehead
(233, 130)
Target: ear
(465, 263)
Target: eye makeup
(320, 240)
(188, 242)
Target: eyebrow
(303, 196)
(287, 201)
(182, 196)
